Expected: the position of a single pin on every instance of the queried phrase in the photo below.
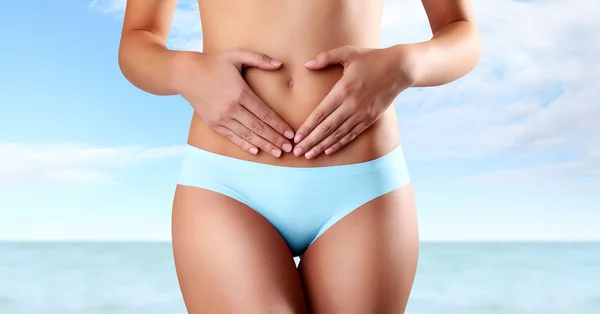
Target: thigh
(229, 259)
(366, 262)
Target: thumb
(244, 57)
(334, 56)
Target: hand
(215, 88)
(369, 85)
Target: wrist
(404, 60)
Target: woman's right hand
(213, 84)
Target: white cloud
(186, 30)
(562, 178)
(50, 164)
(533, 90)
(109, 6)
(506, 102)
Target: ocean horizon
(467, 277)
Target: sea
(454, 278)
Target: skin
(256, 96)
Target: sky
(510, 152)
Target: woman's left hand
(371, 81)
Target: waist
(293, 91)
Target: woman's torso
(293, 32)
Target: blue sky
(510, 152)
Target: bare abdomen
(294, 91)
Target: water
(455, 278)
(508, 278)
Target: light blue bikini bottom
(301, 203)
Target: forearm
(147, 63)
(453, 52)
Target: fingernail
(253, 150)
(289, 134)
(298, 138)
(275, 62)
(298, 151)
(310, 63)
(328, 151)
(275, 152)
(310, 154)
(287, 147)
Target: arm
(453, 51)
(374, 77)
(144, 58)
(212, 83)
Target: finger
(261, 129)
(350, 136)
(333, 138)
(249, 136)
(322, 111)
(244, 57)
(323, 130)
(236, 139)
(335, 56)
(257, 106)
